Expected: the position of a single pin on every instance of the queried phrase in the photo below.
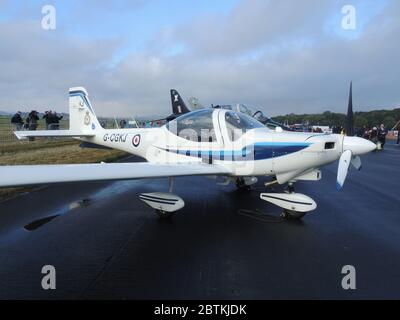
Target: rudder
(178, 105)
(81, 114)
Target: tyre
(163, 214)
(290, 214)
(241, 186)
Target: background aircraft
(268, 122)
(179, 107)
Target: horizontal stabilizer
(52, 134)
(13, 176)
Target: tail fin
(178, 105)
(81, 114)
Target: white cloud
(272, 54)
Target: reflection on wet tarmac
(111, 190)
(261, 216)
(36, 224)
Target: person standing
(17, 121)
(47, 118)
(373, 135)
(366, 133)
(122, 123)
(55, 123)
(33, 119)
(382, 132)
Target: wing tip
(19, 136)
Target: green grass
(6, 128)
(46, 151)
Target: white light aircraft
(207, 142)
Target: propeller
(352, 147)
(344, 163)
(349, 144)
(356, 162)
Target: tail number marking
(115, 137)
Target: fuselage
(227, 138)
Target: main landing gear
(292, 215)
(294, 205)
(164, 214)
(245, 183)
(165, 204)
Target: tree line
(370, 118)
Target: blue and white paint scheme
(205, 142)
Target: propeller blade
(356, 162)
(343, 168)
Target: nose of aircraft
(358, 145)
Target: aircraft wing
(14, 176)
(52, 133)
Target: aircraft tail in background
(178, 105)
(350, 116)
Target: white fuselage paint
(154, 143)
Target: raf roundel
(136, 140)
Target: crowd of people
(338, 130)
(31, 122)
(52, 120)
(377, 134)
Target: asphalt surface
(114, 247)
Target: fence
(7, 129)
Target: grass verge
(50, 152)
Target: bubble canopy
(199, 125)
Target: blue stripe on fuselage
(261, 151)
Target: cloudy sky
(282, 56)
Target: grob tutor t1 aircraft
(206, 142)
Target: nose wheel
(291, 214)
(241, 185)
